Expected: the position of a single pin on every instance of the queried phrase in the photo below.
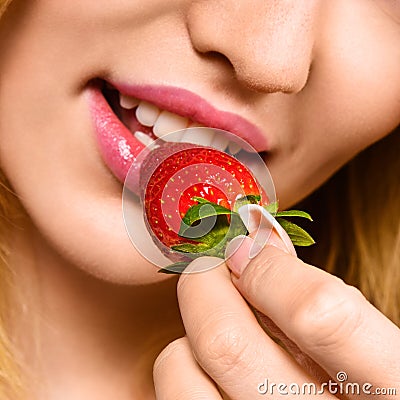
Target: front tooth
(199, 135)
(175, 136)
(220, 142)
(234, 148)
(128, 102)
(168, 122)
(147, 113)
(143, 138)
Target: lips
(128, 118)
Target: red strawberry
(190, 196)
(175, 176)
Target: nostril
(268, 48)
(219, 57)
(267, 76)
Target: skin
(313, 74)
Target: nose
(269, 43)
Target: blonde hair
(10, 373)
(373, 188)
(359, 237)
(358, 224)
(3, 5)
(11, 382)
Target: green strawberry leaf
(297, 235)
(200, 212)
(176, 268)
(272, 208)
(236, 227)
(293, 213)
(191, 248)
(220, 225)
(250, 199)
(215, 241)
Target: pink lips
(119, 148)
(117, 144)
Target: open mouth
(128, 119)
(147, 122)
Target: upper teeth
(128, 102)
(147, 114)
(200, 135)
(168, 122)
(234, 147)
(220, 142)
(174, 128)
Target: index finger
(226, 338)
(327, 319)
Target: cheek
(70, 197)
(48, 152)
(361, 64)
(351, 101)
(73, 200)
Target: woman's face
(309, 82)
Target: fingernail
(265, 228)
(239, 252)
(280, 239)
(276, 241)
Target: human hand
(322, 327)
